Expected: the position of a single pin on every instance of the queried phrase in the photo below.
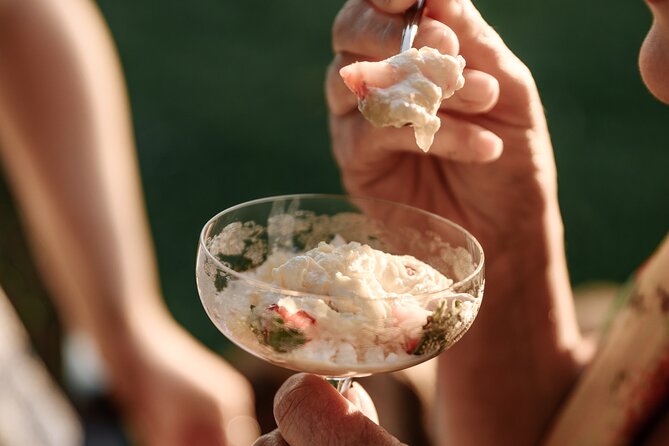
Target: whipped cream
(351, 309)
(354, 269)
(406, 89)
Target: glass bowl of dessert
(339, 286)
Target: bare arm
(626, 384)
(67, 146)
(491, 169)
(68, 150)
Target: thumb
(309, 411)
(361, 399)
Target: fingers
(341, 100)
(309, 411)
(368, 30)
(457, 140)
(484, 50)
(480, 44)
(361, 29)
(437, 35)
(358, 396)
(464, 141)
(364, 33)
(479, 94)
(358, 144)
(393, 6)
(372, 32)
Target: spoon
(411, 20)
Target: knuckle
(437, 35)
(522, 73)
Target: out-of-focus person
(67, 148)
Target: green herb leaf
(438, 331)
(220, 280)
(272, 330)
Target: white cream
(360, 310)
(406, 89)
(358, 270)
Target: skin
(654, 66)
(654, 54)
(298, 410)
(491, 169)
(67, 147)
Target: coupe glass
(337, 336)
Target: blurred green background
(228, 105)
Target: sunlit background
(228, 105)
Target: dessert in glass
(339, 286)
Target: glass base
(341, 384)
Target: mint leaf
(271, 330)
(438, 331)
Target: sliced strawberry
(299, 319)
(302, 319)
(411, 345)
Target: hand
(500, 195)
(309, 411)
(491, 169)
(174, 392)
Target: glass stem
(341, 384)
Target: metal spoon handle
(411, 19)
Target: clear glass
(337, 336)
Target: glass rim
(302, 294)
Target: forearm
(68, 152)
(503, 382)
(627, 381)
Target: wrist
(529, 282)
(525, 336)
(126, 343)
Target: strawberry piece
(411, 345)
(299, 319)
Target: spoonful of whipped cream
(407, 88)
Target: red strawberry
(299, 319)
(411, 345)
